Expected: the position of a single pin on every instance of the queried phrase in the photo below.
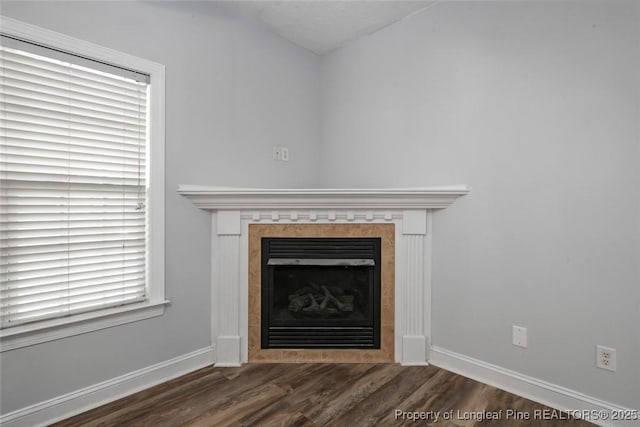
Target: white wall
(536, 107)
(233, 91)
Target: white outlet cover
(519, 336)
(606, 358)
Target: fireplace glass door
(320, 293)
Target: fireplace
(320, 293)
(242, 217)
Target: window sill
(49, 330)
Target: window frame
(52, 329)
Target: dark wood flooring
(351, 395)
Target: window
(80, 185)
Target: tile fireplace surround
(400, 217)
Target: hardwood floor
(351, 395)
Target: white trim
(154, 306)
(49, 330)
(413, 349)
(87, 398)
(549, 394)
(227, 365)
(222, 198)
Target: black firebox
(321, 293)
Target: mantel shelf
(227, 198)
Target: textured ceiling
(324, 25)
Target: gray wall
(535, 106)
(233, 91)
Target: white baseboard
(78, 401)
(227, 365)
(552, 395)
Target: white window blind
(73, 150)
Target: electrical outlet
(606, 358)
(519, 336)
(280, 153)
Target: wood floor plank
(455, 395)
(348, 394)
(221, 397)
(316, 391)
(280, 413)
(317, 395)
(125, 409)
(234, 411)
(384, 400)
(134, 411)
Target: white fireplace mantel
(224, 198)
(233, 209)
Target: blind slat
(66, 287)
(66, 85)
(45, 160)
(22, 301)
(100, 149)
(62, 120)
(72, 270)
(57, 96)
(45, 286)
(56, 187)
(69, 255)
(59, 177)
(70, 309)
(75, 259)
(112, 157)
(77, 276)
(63, 218)
(22, 71)
(20, 109)
(35, 129)
(75, 111)
(59, 121)
(70, 142)
(55, 248)
(76, 225)
(72, 210)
